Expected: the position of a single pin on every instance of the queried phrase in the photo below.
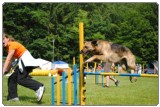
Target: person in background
(99, 68)
(139, 68)
(26, 63)
(91, 68)
(107, 69)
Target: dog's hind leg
(98, 57)
(132, 66)
(131, 78)
(125, 67)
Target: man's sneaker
(14, 99)
(39, 93)
(117, 83)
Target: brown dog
(109, 52)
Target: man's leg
(28, 82)
(25, 81)
(115, 80)
(12, 85)
(107, 82)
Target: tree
(134, 25)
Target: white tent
(44, 64)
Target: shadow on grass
(31, 99)
(25, 98)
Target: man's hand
(5, 72)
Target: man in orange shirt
(26, 63)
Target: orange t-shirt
(19, 49)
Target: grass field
(143, 92)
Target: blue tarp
(59, 62)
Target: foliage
(36, 25)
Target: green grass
(142, 92)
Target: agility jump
(119, 74)
(61, 89)
(82, 73)
(81, 78)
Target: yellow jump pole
(96, 77)
(69, 87)
(58, 90)
(81, 84)
(87, 67)
(95, 66)
(74, 61)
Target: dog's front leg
(99, 57)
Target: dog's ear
(94, 43)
